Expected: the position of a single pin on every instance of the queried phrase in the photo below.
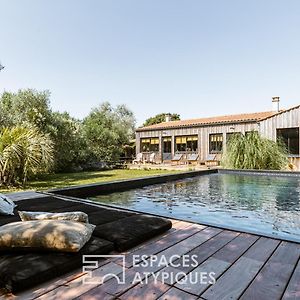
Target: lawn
(68, 179)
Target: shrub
(252, 151)
(23, 153)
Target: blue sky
(196, 58)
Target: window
(154, 144)
(215, 143)
(290, 137)
(186, 143)
(192, 143)
(150, 145)
(180, 143)
(167, 146)
(145, 145)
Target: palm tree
(23, 152)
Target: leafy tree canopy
(67, 135)
(26, 107)
(76, 144)
(160, 118)
(107, 129)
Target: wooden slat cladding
(266, 127)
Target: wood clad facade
(266, 127)
(286, 119)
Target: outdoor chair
(177, 158)
(138, 159)
(192, 158)
(212, 160)
(152, 158)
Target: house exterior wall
(267, 128)
(286, 119)
(202, 133)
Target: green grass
(68, 179)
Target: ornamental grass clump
(252, 151)
(23, 153)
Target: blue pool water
(263, 204)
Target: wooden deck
(246, 266)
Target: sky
(193, 57)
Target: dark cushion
(116, 229)
(50, 204)
(23, 270)
(43, 204)
(131, 231)
(76, 206)
(105, 215)
(8, 219)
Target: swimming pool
(264, 204)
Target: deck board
(271, 281)
(236, 279)
(246, 266)
(293, 289)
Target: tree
(23, 153)
(252, 151)
(106, 130)
(26, 107)
(161, 118)
(32, 108)
(66, 133)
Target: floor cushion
(50, 235)
(22, 271)
(77, 216)
(131, 231)
(50, 204)
(106, 215)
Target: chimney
(275, 104)
(168, 118)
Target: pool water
(263, 204)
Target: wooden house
(208, 136)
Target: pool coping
(88, 190)
(260, 172)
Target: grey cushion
(129, 232)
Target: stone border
(89, 190)
(260, 172)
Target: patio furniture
(152, 158)
(192, 158)
(212, 160)
(138, 159)
(177, 158)
(115, 230)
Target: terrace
(245, 265)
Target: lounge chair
(177, 158)
(212, 160)
(192, 158)
(138, 159)
(152, 158)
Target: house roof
(228, 119)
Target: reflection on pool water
(266, 204)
